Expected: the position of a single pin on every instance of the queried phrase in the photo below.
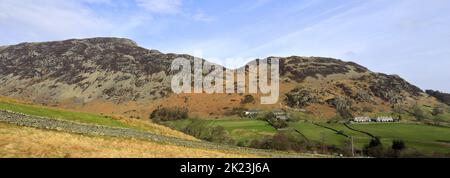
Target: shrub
(254, 144)
(418, 112)
(398, 146)
(375, 148)
(275, 122)
(439, 109)
(262, 144)
(248, 99)
(238, 111)
(169, 114)
(220, 135)
(216, 134)
(281, 141)
(197, 129)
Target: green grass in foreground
(61, 114)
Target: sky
(410, 38)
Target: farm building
(384, 119)
(361, 119)
(252, 113)
(368, 119)
(280, 115)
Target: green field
(424, 138)
(61, 114)
(239, 130)
(319, 134)
(323, 135)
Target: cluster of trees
(419, 113)
(343, 107)
(169, 114)
(272, 119)
(282, 142)
(375, 148)
(248, 99)
(213, 134)
(285, 141)
(236, 111)
(439, 109)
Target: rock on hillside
(325, 81)
(84, 70)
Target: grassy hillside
(16, 141)
(61, 114)
(423, 138)
(29, 142)
(89, 118)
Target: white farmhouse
(251, 113)
(361, 119)
(384, 119)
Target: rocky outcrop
(300, 68)
(391, 88)
(84, 69)
(301, 97)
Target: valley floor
(419, 138)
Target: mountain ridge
(115, 72)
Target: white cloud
(44, 20)
(161, 6)
(47, 20)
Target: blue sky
(406, 37)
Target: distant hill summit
(84, 70)
(115, 75)
(441, 96)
